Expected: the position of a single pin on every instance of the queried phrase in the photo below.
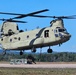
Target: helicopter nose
(67, 36)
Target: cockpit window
(62, 30)
(59, 30)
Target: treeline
(44, 57)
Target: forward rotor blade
(63, 17)
(40, 16)
(71, 17)
(59, 17)
(30, 14)
(67, 17)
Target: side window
(55, 31)
(46, 33)
(10, 40)
(27, 36)
(2, 39)
(19, 38)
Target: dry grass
(37, 71)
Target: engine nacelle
(9, 28)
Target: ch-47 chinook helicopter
(11, 38)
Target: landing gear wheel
(21, 53)
(33, 50)
(49, 50)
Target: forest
(43, 57)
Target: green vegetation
(26, 71)
(44, 57)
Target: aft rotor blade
(16, 21)
(11, 20)
(30, 14)
(10, 13)
(24, 14)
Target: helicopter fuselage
(37, 38)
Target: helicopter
(11, 38)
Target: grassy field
(37, 71)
